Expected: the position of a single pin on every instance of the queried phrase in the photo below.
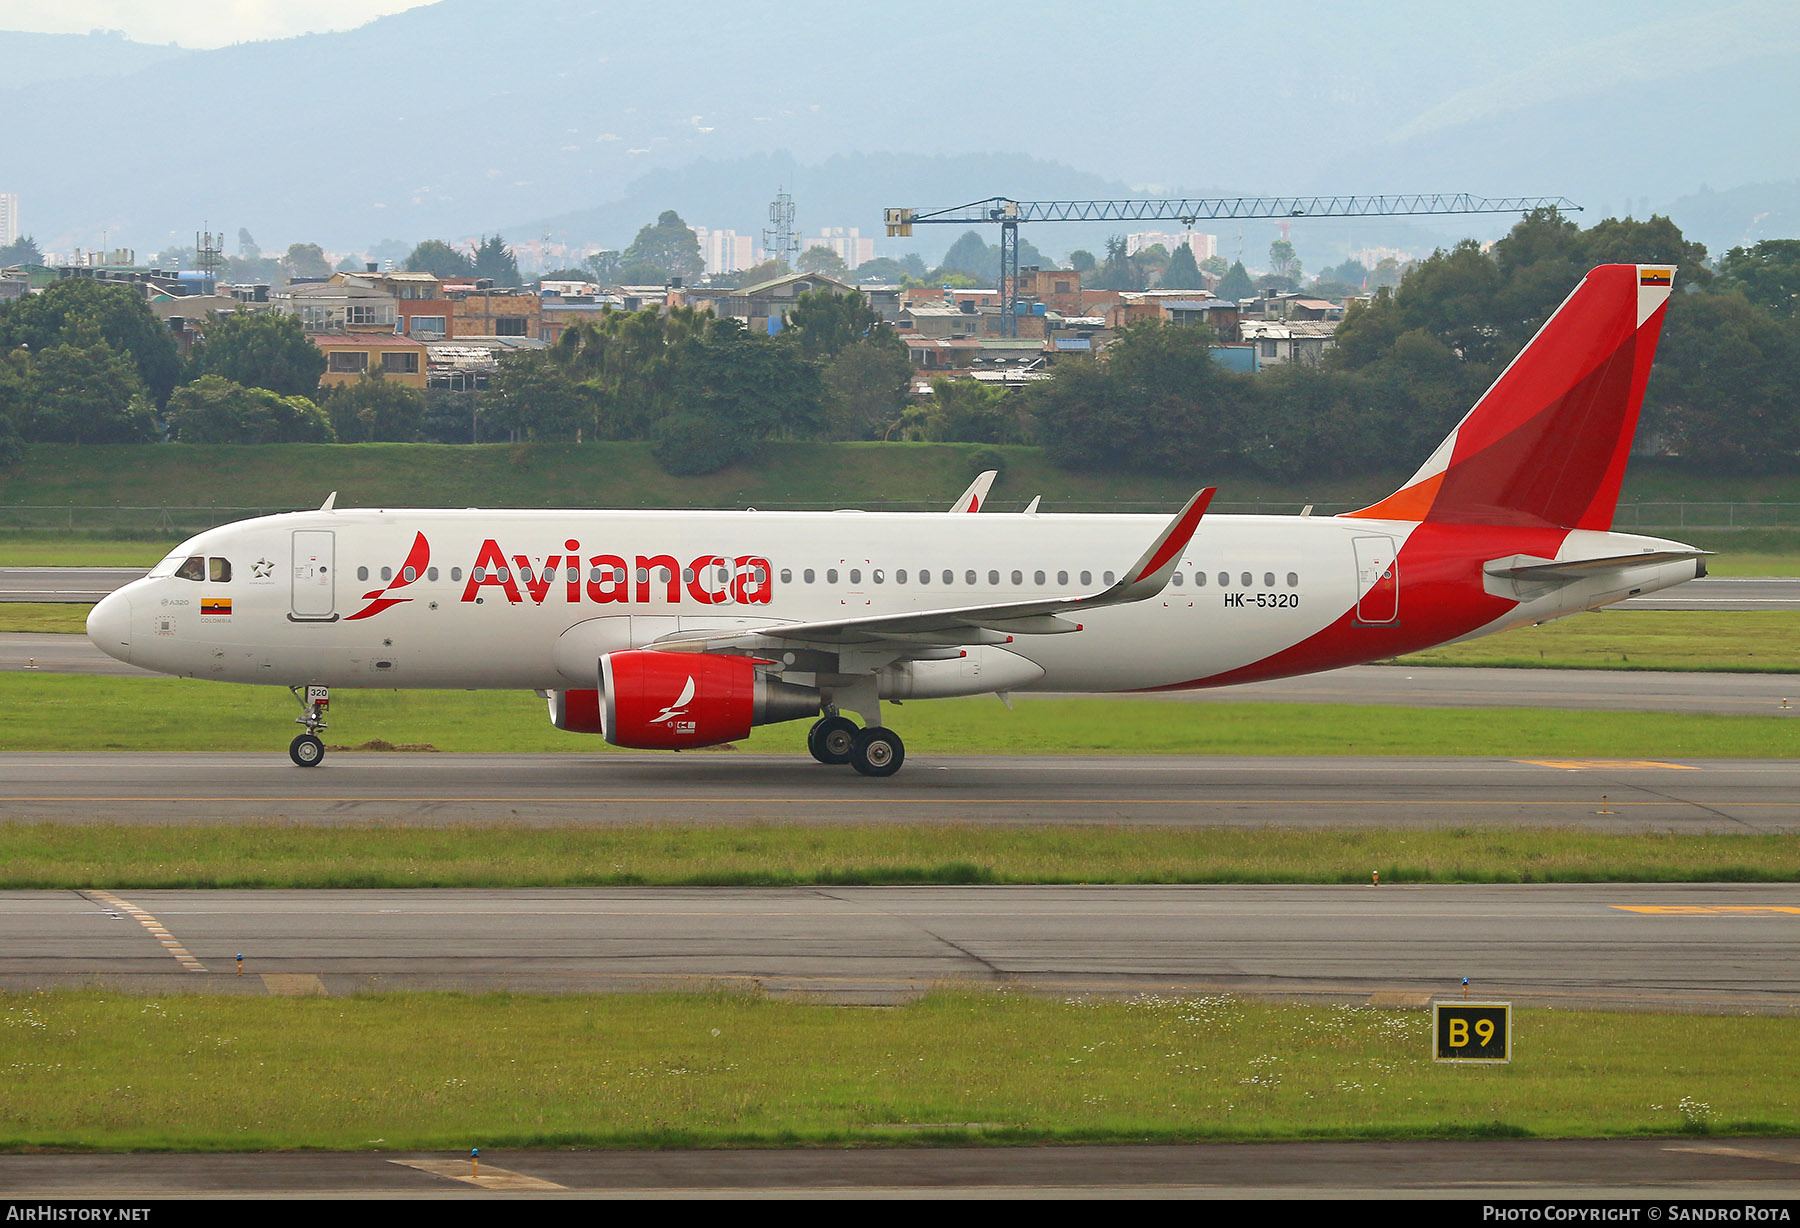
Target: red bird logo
(411, 570)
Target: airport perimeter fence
(171, 521)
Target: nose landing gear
(306, 750)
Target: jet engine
(653, 700)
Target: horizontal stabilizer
(1525, 567)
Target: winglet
(971, 499)
(1151, 572)
(330, 502)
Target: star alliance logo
(262, 569)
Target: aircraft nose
(109, 626)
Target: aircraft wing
(972, 499)
(996, 623)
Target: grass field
(47, 712)
(442, 1072)
(1747, 641)
(58, 856)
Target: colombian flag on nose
(1655, 277)
(215, 605)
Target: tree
(22, 250)
(1081, 261)
(604, 267)
(352, 263)
(262, 349)
(1283, 262)
(822, 260)
(495, 260)
(212, 409)
(117, 313)
(536, 397)
(882, 269)
(1215, 265)
(1767, 274)
(1722, 395)
(865, 387)
(822, 322)
(375, 410)
(735, 390)
(965, 411)
(768, 270)
(1182, 273)
(83, 391)
(669, 246)
(972, 255)
(1236, 283)
(305, 260)
(1118, 272)
(438, 258)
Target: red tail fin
(1547, 443)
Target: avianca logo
(679, 707)
(604, 579)
(414, 567)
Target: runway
(1566, 1170)
(729, 787)
(89, 584)
(1703, 947)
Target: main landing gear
(876, 751)
(307, 750)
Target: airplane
(678, 629)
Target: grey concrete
(1711, 1169)
(72, 584)
(1708, 947)
(730, 787)
(51, 653)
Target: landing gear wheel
(306, 750)
(832, 740)
(877, 752)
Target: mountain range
(582, 119)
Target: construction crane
(1009, 213)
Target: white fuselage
(308, 601)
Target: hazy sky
(196, 23)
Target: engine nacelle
(653, 700)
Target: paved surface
(1704, 947)
(729, 787)
(80, 584)
(1580, 1169)
(1438, 687)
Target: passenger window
(411, 574)
(724, 575)
(479, 575)
(1087, 577)
(1062, 577)
(787, 575)
(1293, 579)
(1107, 576)
(807, 575)
(193, 569)
(456, 573)
(387, 573)
(1175, 579)
(924, 575)
(900, 576)
(1268, 579)
(1247, 579)
(362, 573)
(1037, 577)
(993, 577)
(877, 574)
(1199, 579)
(219, 571)
(687, 575)
(431, 573)
(831, 575)
(572, 575)
(643, 575)
(1224, 579)
(1018, 577)
(856, 575)
(969, 578)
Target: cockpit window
(193, 569)
(218, 570)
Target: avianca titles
(665, 630)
